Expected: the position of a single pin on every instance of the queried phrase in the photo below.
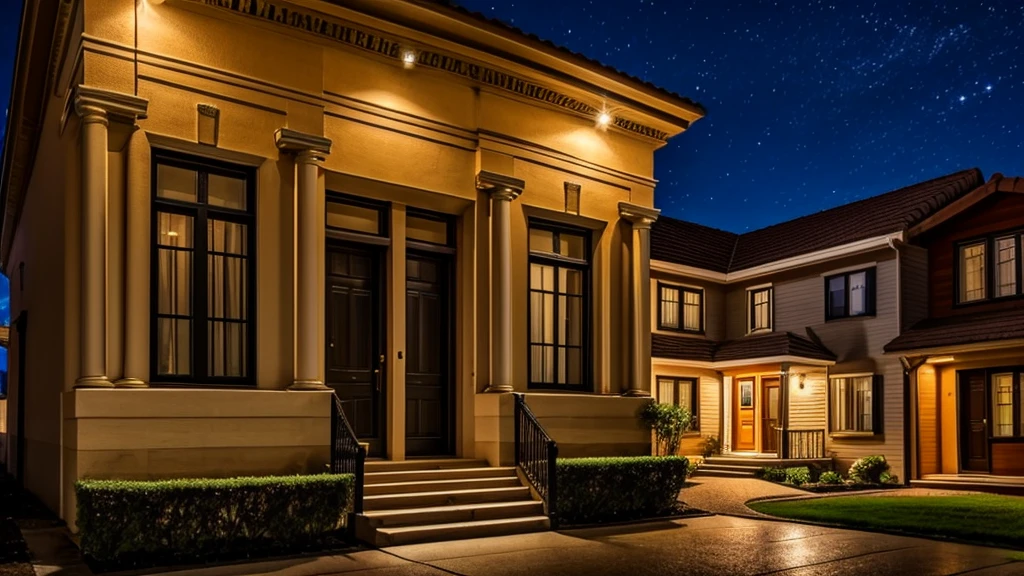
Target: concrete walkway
(708, 545)
(730, 495)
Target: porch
(747, 465)
(1009, 485)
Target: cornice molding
(392, 48)
(640, 216)
(60, 42)
(500, 186)
(295, 141)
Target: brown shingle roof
(960, 330)
(884, 214)
(747, 348)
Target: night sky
(810, 104)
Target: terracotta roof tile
(695, 245)
(746, 348)
(960, 330)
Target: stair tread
(469, 524)
(420, 465)
(440, 484)
(442, 492)
(452, 508)
(445, 471)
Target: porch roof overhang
(967, 333)
(775, 347)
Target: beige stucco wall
(414, 137)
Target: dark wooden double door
(356, 352)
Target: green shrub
(710, 446)
(869, 470)
(692, 468)
(668, 422)
(170, 521)
(798, 476)
(771, 474)
(832, 478)
(613, 489)
(887, 478)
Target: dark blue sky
(810, 104)
(10, 19)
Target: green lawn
(986, 519)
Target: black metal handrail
(536, 456)
(804, 444)
(347, 455)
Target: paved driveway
(711, 545)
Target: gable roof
(997, 183)
(691, 244)
(771, 345)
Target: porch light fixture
(604, 119)
(409, 58)
(801, 380)
(940, 360)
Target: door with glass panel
(355, 360)
(202, 272)
(770, 410)
(744, 400)
(559, 307)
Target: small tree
(668, 422)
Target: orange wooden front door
(744, 400)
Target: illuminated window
(1006, 266)
(202, 272)
(559, 307)
(852, 403)
(760, 309)
(972, 272)
(1002, 404)
(680, 308)
(683, 393)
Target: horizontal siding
(807, 406)
(736, 313)
(710, 406)
(928, 422)
(913, 285)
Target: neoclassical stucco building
(218, 212)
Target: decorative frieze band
(333, 29)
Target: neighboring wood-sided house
(774, 338)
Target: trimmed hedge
(594, 490)
(129, 523)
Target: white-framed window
(680, 308)
(853, 403)
(682, 392)
(759, 309)
(972, 272)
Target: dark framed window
(855, 403)
(203, 271)
(850, 294)
(760, 309)
(680, 308)
(682, 392)
(988, 268)
(559, 307)
(351, 214)
(423, 227)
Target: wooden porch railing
(801, 444)
(536, 456)
(347, 455)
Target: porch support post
(309, 151)
(639, 321)
(784, 410)
(503, 190)
(97, 109)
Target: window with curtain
(1006, 266)
(680, 308)
(1007, 408)
(850, 294)
(668, 307)
(559, 307)
(681, 392)
(972, 272)
(852, 403)
(760, 309)
(202, 272)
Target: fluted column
(640, 218)
(503, 190)
(309, 152)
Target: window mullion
(200, 333)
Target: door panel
(770, 415)
(743, 423)
(974, 450)
(354, 340)
(428, 424)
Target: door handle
(376, 372)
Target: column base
(93, 382)
(637, 393)
(130, 383)
(308, 385)
(499, 389)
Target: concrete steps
(747, 467)
(418, 501)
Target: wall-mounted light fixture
(940, 359)
(801, 379)
(604, 119)
(409, 58)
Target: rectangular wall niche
(572, 198)
(209, 124)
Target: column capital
(97, 105)
(499, 186)
(639, 216)
(308, 148)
